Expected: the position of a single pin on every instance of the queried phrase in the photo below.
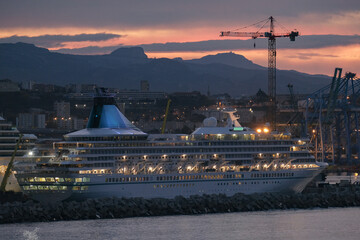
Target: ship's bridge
(106, 123)
(233, 131)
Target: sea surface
(334, 223)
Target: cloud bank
(57, 41)
(302, 42)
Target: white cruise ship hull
(150, 186)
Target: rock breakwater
(30, 211)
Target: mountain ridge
(124, 68)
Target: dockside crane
(271, 35)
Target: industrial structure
(271, 35)
(332, 119)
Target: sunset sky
(167, 28)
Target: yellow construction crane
(271, 36)
(165, 118)
(8, 169)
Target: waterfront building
(30, 120)
(6, 85)
(62, 109)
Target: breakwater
(30, 211)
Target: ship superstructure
(111, 157)
(9, 136)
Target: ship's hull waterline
(148, 186)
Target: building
(41, 87)
(30, 120)
(71, 123)
(6, 85)
(62, 109)
(144, 86)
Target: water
(336, 223)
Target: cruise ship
(113, 158)
(9, 136)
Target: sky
(190, 29)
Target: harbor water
(333, 223)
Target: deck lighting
(31, 153)
(266, 130)
(258, 130)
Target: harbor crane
(271, 35)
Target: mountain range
(124, 68)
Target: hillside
(126, 67)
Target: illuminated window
(50, 179)
(59, 179)
(39, 179)
(86, 179)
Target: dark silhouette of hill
(126, 67)
(230, 59)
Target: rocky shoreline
(25, 210)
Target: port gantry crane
(271, 35)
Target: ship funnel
(106, 113)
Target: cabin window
(78, 179)
(59, 179)
(39, 179)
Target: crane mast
(271, 57)
(272, 63)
